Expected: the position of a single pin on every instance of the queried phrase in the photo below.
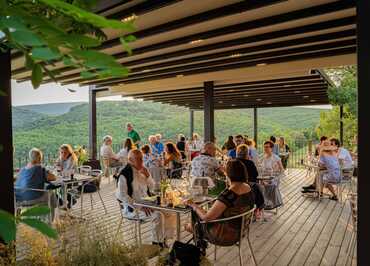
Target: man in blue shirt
(159, 145)
(239, 139)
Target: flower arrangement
(82, 154)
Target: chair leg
(215, 256)
(240, 254)
(118, 228)
(91, 201)
(82, 197)
(251, 249)
(139, 232)
(101, 199)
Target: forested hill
(34, 128)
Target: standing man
(159, 145)
(133, 135)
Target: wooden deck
(305, 231)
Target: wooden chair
(245, 219)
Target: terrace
(208, 55)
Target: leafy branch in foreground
(8, 223)
(53, 33)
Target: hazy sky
(24, 94)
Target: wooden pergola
(218, 54)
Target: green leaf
(27, 38)
(125, 45)
(87, 74)
(114, 72)
(7, 226)
(45, 53)
(41, 227)
(87, 17)
(29, 63)
(36, 211)
(36, 76)
(77, 40)
(67, 61)
(95, 59)
(130, 38)
(12, 22)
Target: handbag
(187, 254)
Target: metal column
(208, 105)
(92, 122)
(341, 124)
(6, 135)
(255, 129)
(191, 118)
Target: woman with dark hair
(284, 152)
(181, 146)
(127, 146)
(172, 159)
(229, 144)
(236, 199)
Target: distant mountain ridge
(51, 108)
(48, 126)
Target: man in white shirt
(134, 184)
(344, 156)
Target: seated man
(31, 178)
(206, 164)
(134, 184)
(239, 139)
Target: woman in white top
(195, 146)
(271, 165)
(67, 160)
(106, 152)
(126, 147)
(270, 161)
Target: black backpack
(187, 254)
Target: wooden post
(341, 124)
(92, 122)
(255, 129)
(191, 118)
(6, 135)
(208, 105)
(363, 69)
(310, 147)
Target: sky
(24, 94)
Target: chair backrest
(245, 218)
(84, 170)
(97, 173)
(347, 173)
(95, 164)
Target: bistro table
(314, 166)
(65, 182)
(178, 210)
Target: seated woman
(242, 155)
(153, 164)
(172, 159)
(127, 146)
(67, 160)
(236, 199)
(329, 161)
(271, 166)
(34, 176)
(106, 152)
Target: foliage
(49, 131)
(329, 125)
(81, 154)
(346, 92)
(53, 32)
(346, 95)
(8, 222)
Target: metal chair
(136, 219)
(107, 169)
(246, 219)
(347, 175)
(30, 203)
